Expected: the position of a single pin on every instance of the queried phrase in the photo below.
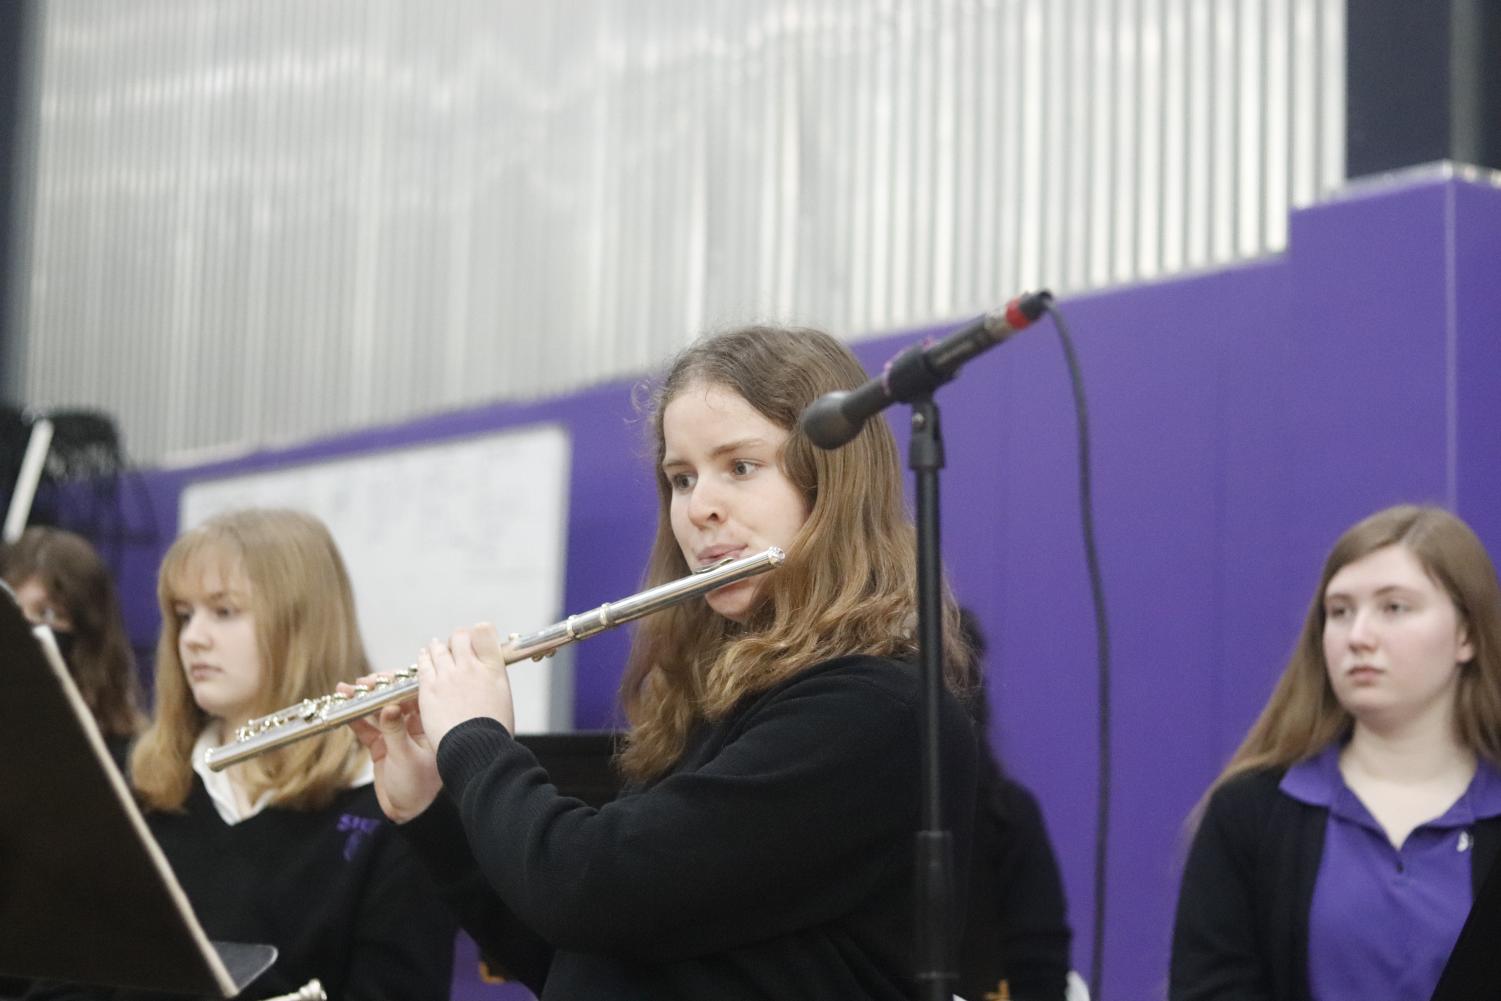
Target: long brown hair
(849, 584)
(307, 635)
(99, 659)
(1303, 716)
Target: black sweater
(1241, 932)
(1017, 927)
(335, 890)
(773, 862)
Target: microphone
(835, 418)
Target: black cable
(1102, 646)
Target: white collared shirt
(221, 790)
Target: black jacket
(774, 862)
(335, 890)
(1017, 927)
(1241, 932)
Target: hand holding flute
(461, 680)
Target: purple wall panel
(1368, 286)
(1241, 419)
(1156, 394)
(1475, 215)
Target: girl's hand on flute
(463, 680)
(406, 769)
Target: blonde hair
(848, 586)
(307, 635)
(1303, 716)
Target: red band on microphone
(1015, 318)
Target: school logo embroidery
(359, 829)
(1465, 840)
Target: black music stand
(86, 895)
(580, 764)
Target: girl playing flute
(764, 845)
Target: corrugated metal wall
(255, 220)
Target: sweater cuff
(432, 835)
(468, 749)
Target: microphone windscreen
(825, 422)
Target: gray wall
(260, 220)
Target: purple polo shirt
(1383, 920)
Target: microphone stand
(831, 421)
(934, 893)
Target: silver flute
(314, 716)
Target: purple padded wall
(1241, 419)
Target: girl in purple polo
(1337, 855)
